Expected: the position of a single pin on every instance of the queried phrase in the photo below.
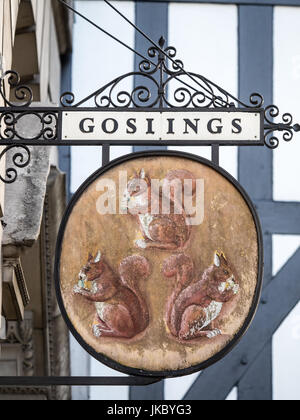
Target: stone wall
(34, 35)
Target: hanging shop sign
(159, 268)
(159, 258)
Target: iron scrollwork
(18, 112)
(287, 127)
(162, 83)
(21, 93)
(43, 125)
(169, 86)
(17, 120)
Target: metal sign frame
(51, 119)
(256, 298)
(200, 95)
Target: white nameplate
(201, 126)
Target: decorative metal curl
(67, 99)
(163, 83)
(286, 127)
(47, 131)
(194, 90)
(20, 159)
(20, 92)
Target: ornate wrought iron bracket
(287, 127)
(161, 86)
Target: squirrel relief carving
(195, 305)
(121, 311)
(169, 231)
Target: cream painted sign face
(145, 291)
(204, 125)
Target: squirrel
(121, 311)
(195, 304)
(161, 231)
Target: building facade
(35, 41)
(244, 46)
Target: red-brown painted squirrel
(170, 231)
(121, 311)
(195, 304)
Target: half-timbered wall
(245, 46)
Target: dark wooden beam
(256, 75)
(153, 18)
(64, 152)
(253, 387)
(256, 58)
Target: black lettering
(218, 129)
(87, 129)
(171, 126)
(189, 123)
(115, 126)
(150, 126)
(236, 124)
(131, 126)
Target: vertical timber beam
(256, 164)
(153, 18)
(65, 151)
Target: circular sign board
(159, 264)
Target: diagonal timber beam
(279, 298)
(254, 387)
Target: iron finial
(296, 127)
(161, 42)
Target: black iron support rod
(163, 52)
(215, 154)
(105, 154)
(37, 381)
(215, 98)
(104, 31)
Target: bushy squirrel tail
(181, 175)
(133, 270)
(180, 266)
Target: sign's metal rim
(47, 112)
(256, 298)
